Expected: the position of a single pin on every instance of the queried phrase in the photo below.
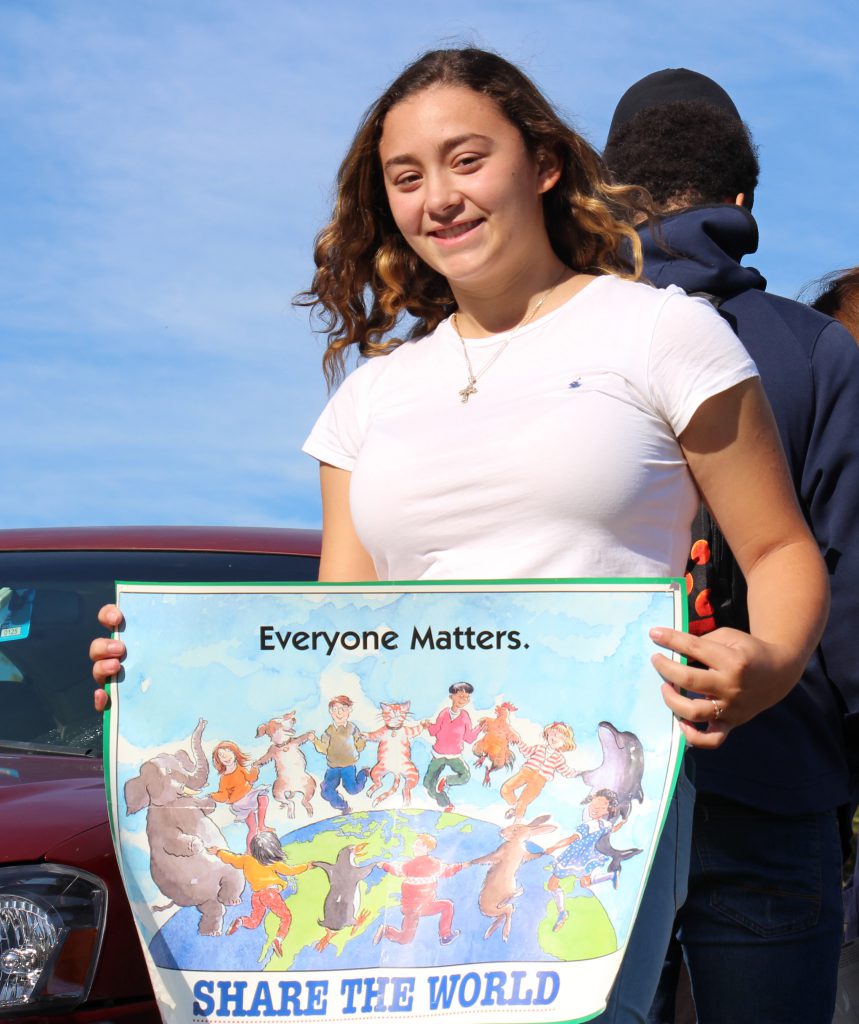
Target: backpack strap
(715, 587)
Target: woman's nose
(442, 195)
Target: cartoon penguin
(340, 909)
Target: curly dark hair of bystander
(685, 153)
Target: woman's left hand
(740, 676)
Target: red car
(68, 947)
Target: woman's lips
(455, 231)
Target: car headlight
(51, 925)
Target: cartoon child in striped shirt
(543, 760)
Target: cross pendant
(468, 390)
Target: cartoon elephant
(179, 830)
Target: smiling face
(340, 713)
(463, 189)
(226, 757)
(555, 738)
(459, 699)
(599, 807)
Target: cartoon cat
(395, 752)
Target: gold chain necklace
(471, 387)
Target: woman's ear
(548, 170)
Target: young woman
(548, 416)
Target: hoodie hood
(700, 251)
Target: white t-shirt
(566, 461)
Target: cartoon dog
(290, 764)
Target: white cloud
(218, 654)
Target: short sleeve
(338, 434)
(694, 355)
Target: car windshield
(48, 606)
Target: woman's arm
(734, 453)
(343, 560)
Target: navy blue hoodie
(794, 757)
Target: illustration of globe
(389, 835)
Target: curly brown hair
(367, 276)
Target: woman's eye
(467, 162)
(407, 180)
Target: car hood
(45, 800)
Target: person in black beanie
(761, 929)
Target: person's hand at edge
(106, 654)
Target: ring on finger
(717, 709)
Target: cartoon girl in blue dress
(580, 857)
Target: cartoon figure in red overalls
(418, 896)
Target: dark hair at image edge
(685, 153)
(367, 276)
(838, 296)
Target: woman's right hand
(106, 654)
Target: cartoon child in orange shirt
(247, 802)
(263, 868)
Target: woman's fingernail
(114, 647)
(656, 633)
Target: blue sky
(165, 167)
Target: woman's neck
(503, 306)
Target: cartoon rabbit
(499, 888)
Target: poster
(422, 800)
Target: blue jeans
(348, 778)
(639, 974)
(762, 927)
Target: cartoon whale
(621, 769)
(616, 857)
